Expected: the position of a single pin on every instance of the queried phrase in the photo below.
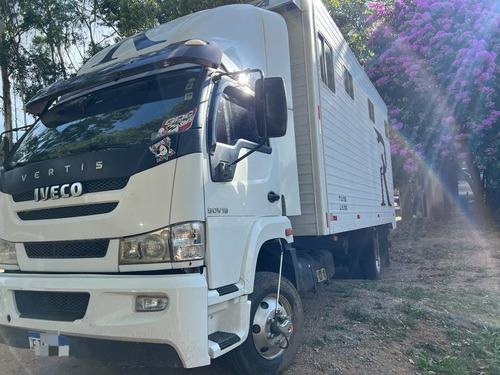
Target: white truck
(173, 197)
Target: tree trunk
(477, 187)
(7, 103)
(61, 62)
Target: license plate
(48, 344)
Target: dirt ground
(435, 311)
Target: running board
(224, 339)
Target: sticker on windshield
(190, 84)
(177, 124)
(162, 149)
(188, 96)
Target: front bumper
(119, 352)
(110, 314)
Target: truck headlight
(188, 241)
(180, 243)
(8, 252)
(147, 248)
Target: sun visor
(190, 51)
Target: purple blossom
(448, 120)
(394, 111)
(383, 80)
(394, 148)
(445, 52)
(446, 138)
(476, 72)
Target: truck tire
(385, 246)
(353, 264)
(370, 262)
(260, 354)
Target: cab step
(224, 339)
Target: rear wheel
(385, 246)
(273, 339)
(370, 262)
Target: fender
(263, 230)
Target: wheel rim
(269, 343)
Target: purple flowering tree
(437, 65)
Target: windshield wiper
(18, 164)
(98, 147)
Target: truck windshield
(129, 114)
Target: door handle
(273, 197)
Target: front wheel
(273, 339)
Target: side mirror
(270, 99)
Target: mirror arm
(259, 146)
(225, 170)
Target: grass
(396, 334)
(448, 327)
(357, 313)
(435, 252)
(412, 315)
(346, 292)
(318, 343)
(475, 350)
(443, 365)
(335, 327)
(438, 305)
(484, 271)
(466, 301)
(414, 293)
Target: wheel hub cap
(272, 330)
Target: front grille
(67, 212)
(61, 306)
(94, 186)
(67, 249)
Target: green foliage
(472, 351)
(35, 43)
(357, 313)
(129, 17)
(352, 18)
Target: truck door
(236, 195)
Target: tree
(40, 47)
(352, 18)
(436, 63)
(128, 17)
(9, 35)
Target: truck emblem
(58, 191)
(162, 149)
